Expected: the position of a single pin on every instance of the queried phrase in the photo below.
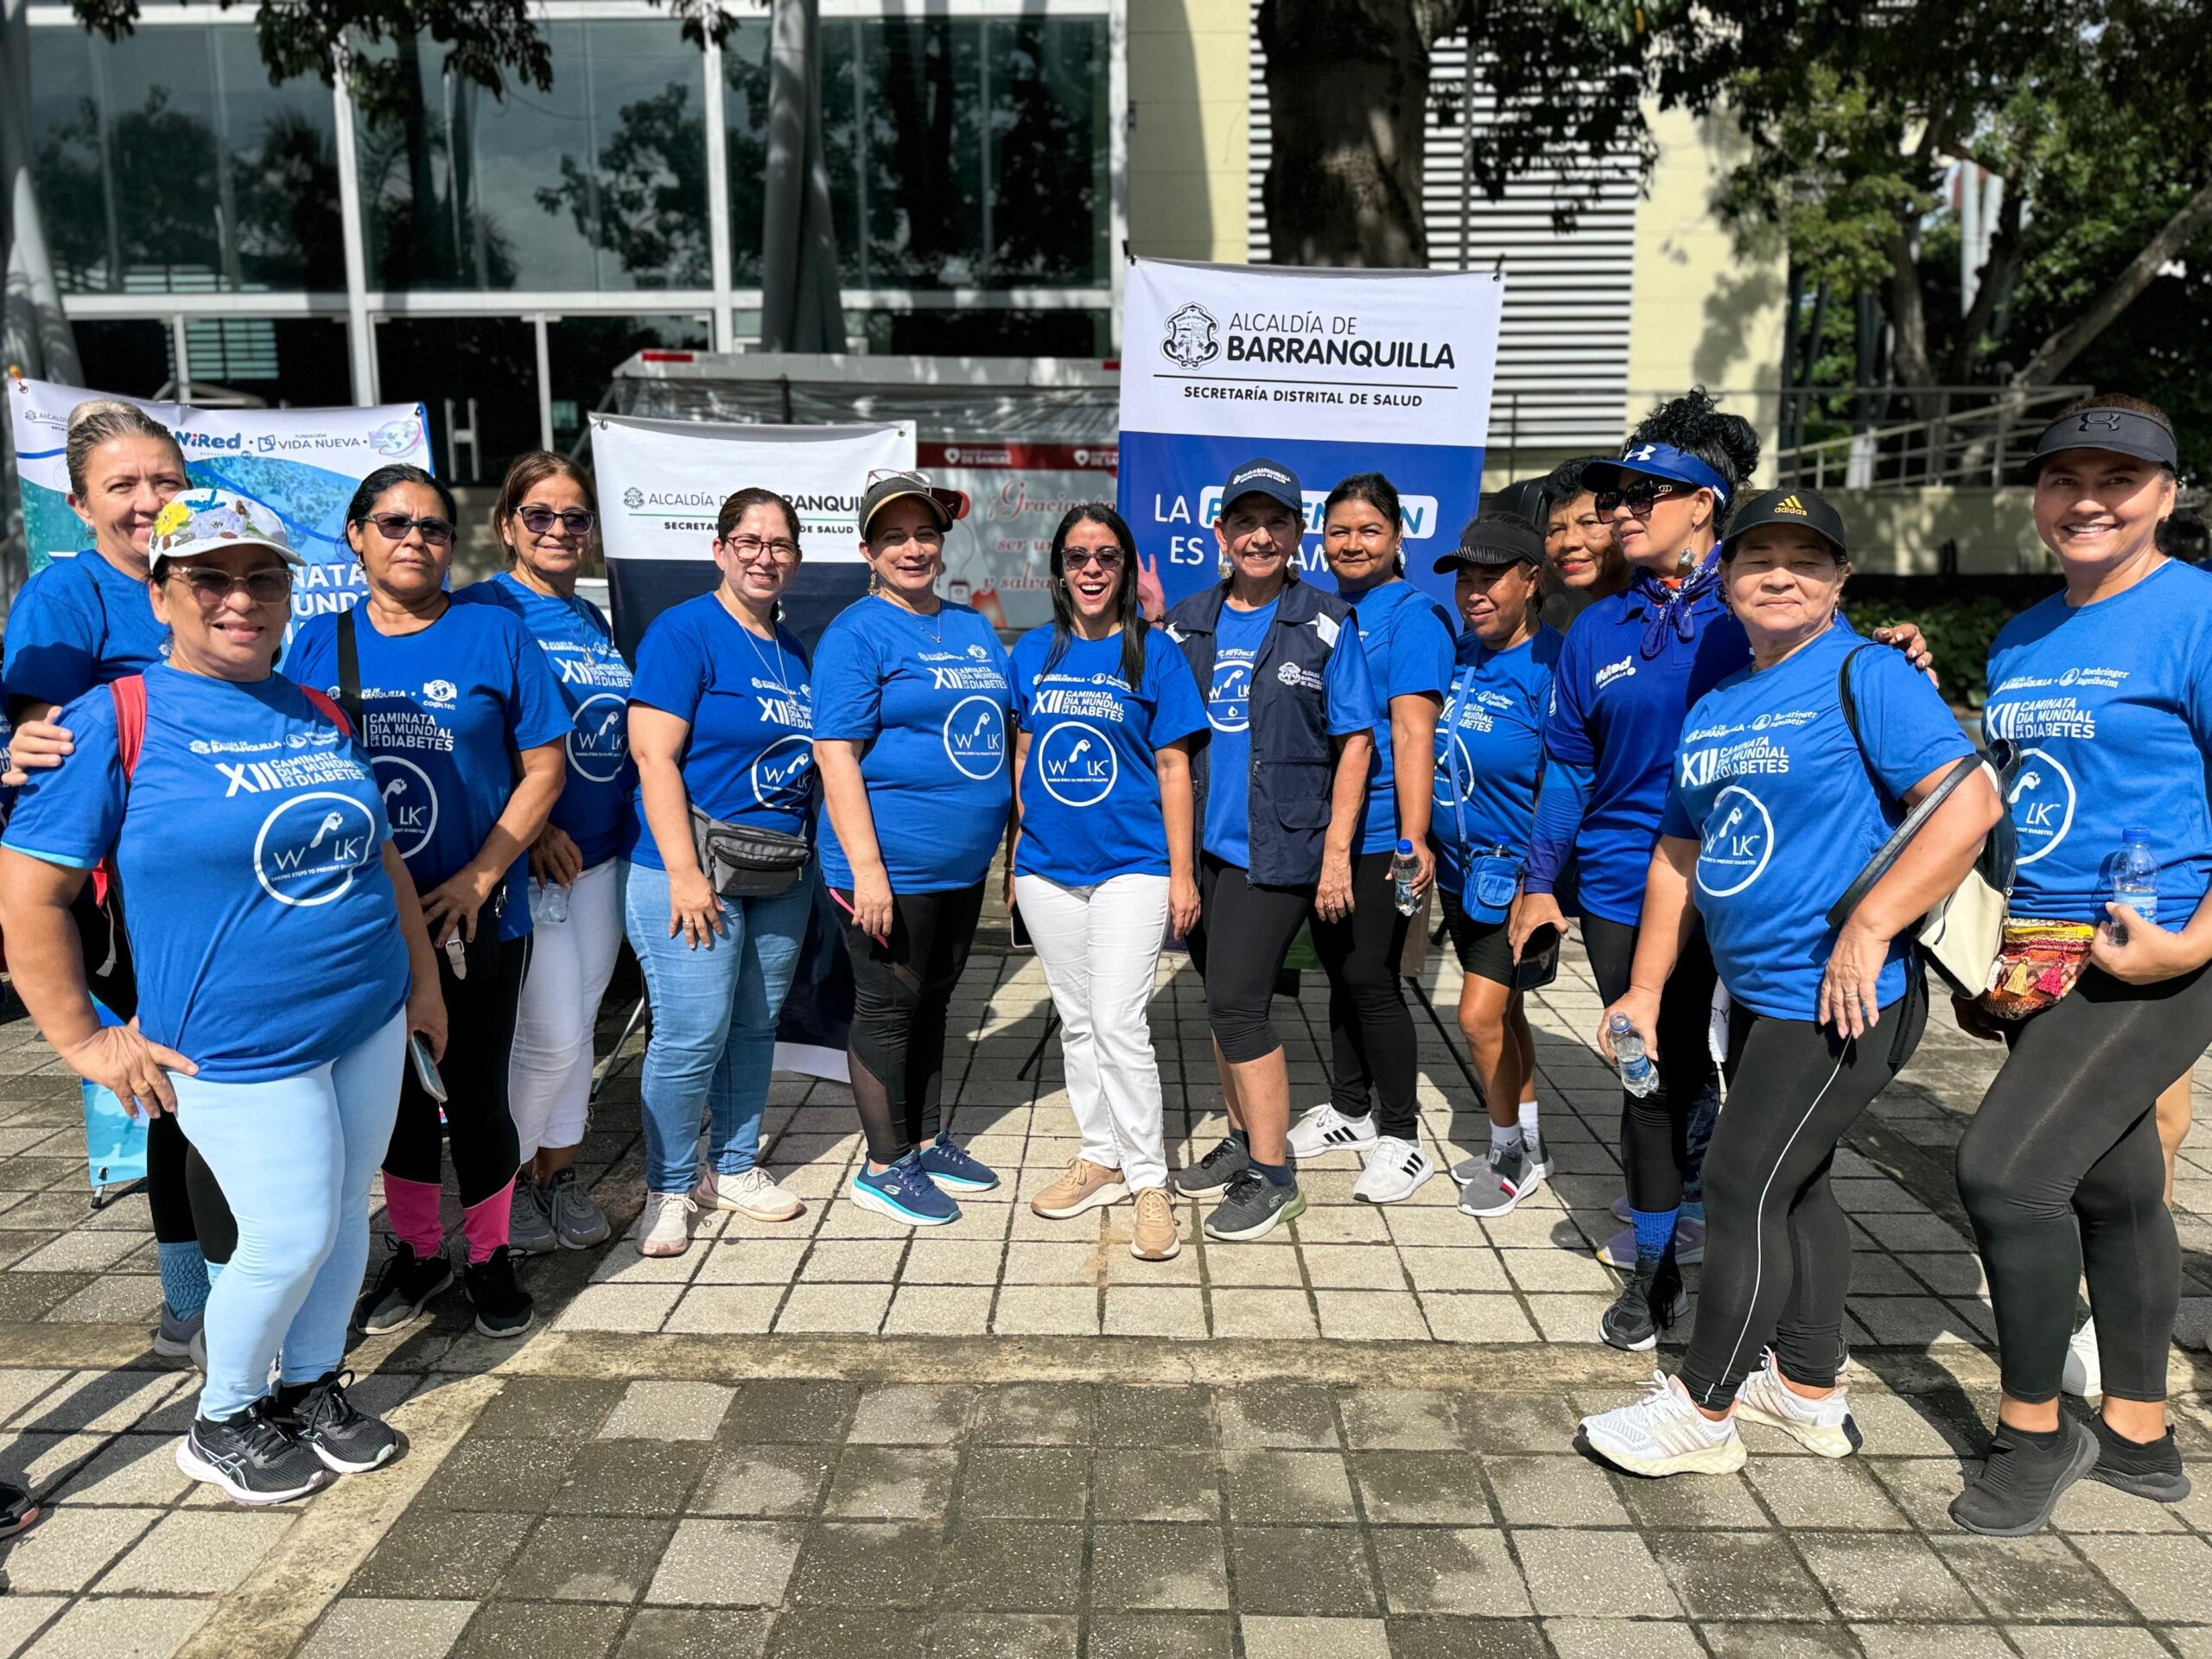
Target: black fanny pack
(742, 863)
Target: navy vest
(1293, 758)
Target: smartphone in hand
(426, 1069)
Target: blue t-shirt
(250, 845)
(444, 710)
(2108, 708)
(1239, 639)
(595, 805)
(1770, 784)
(1489, 754)
(80, 623)
(1619, 712)
(1089, 790)
(750, 756)
(1408, 641)
(929, 698)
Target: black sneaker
(1253, 1207)
(252, 1456)
(346, 1440)
(1652, 1300)
(398, 1293)
(2020, 1482)
(1215, 1170)
(2142, 1469)
(503, 1306)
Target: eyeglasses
(1107, 559)
(263, 585)
(395, 526)
(539, 520)
(1641, 496)
(748, 550)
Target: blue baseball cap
(1655, 461)
(1260, 476)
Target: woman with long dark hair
(1105, 712)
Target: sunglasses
(539, 520)
(395, 526)
(1641, 496)
(264, 585)
(1076, 559)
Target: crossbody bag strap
(349, 673)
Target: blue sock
(1654, 1231)
(215, 1272)
(184, 1278)
(1281, 1174)
(1240, 1137)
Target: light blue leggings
(295, 1158)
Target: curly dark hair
(1692, 423)
(1564, 481)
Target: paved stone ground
(1008, 1438)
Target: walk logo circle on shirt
(410, 802)
(781, 773)
(1455, 780)
(599, 741)
(311, 847)
(1738, 840)
(2041, 800)
(1077, 764)
(974, 737)
(1229, 700)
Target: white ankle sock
(1506, 1139)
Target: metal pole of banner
(1037, 1054)
(609, 1067)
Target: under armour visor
(2124, 431)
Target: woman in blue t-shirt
(1775, 806)
(1408, 639)
(912, 705)
(721, 722)
(1102, 865)
(1489, 752)
(282, 962)
(1280, 787)
(2100, 703)
(544, 518)
(465, 725)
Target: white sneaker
(1663, 1434)
(665, 1224)
(1823, 1426)
(1326, 1129)
(752, 1192)
(2084, 1376)
(1395, 1170)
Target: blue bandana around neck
(1676, 604)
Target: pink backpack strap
(331, 711)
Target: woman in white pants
(1107, 712)
(543, 519)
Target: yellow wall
(1188, 60)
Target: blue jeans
(295, 1158)
(713, 1034)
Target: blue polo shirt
(1489, 755)
(1409, 640)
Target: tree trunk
(1347, 90)
(1909, 363)
(2052, 357)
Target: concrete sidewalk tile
(1159, 1636)
(1767, 1640)
(197, 1553)
(2084, 1641)
(1421, 1488)
(725, 1310)
(1154, 1310)
(1301, 1569)
(763, 1480)
(752, 1262)
(1816, 1492)
(853, 1260)
(575, 1630)
(634, 1308)
(111, 1627)
(1593, 1574)
(1030, 1567)
(1272, 1486)
(728, 1563)
(1282, 1313)
(1042, 1482)
(1400, 1420)
(441, 1556)
(1354, 1266)
(1266, 1265)
(2092, 1506)
(587, 1558)
(2036, 1578)
(626, 1266)
(20, 1615)
(1288, 1416)
(669, 1411)
(694, 1633)
(1550, 1270)
(1723, 1503)
(362, 1627)
(1046, 1311)
(1003, 1635)
(22, 1390)
(1036, 1414)
(1469, 1265)
(1464, 1570)
(547, 1407)
(851, 1308)
(806, 1409)
(107, 1402)
(632, 1476)
(1737, 1575)
(925, 1310)
(868, 1564)
(64, 1551)
(1155, 1416)
(1268, 1637)
(933, 1260)
(133, 1469)
(1158, 1566)
(1610, 1638)
(892, 1482)
(1058, 1263)
(1930, 1642)
(1881, 1576)
(1151, 1484)
(1568, 1317)
(1342, 1224)
(911, 1415)
(1371, 1315)
(2164, 1578)
(1553, 1491)
(1494, 1422)
(1454, 1318)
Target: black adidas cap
(1804, 508)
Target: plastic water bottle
(1404, 870)
(1637, 1076)
(2135, 880)
(548, 902)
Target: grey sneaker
(530, 1220)
(176, 1338)
(577, 1222)
(1500, 1182)
(1253, 1207)
(1215, 1170)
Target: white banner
(1002, 562)
(301, 464)
(661, 483)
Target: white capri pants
(1100, 947)
(549, 1079)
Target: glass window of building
(476, 378)
(165, 162)
(599, 183)
(583, 353)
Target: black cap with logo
(1806, 509)
(2124, 431)
(1260, 476)
(1500, 539)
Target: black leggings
(1654, 1127)
(481, 1038)
(1777, 1249)
(900, 995)
(1255, 926)
(1371, 1028)
(2060, 1171)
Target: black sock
(1240, 1137)
(2048, 1440)
(1282, 1174)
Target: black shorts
(1485, 949)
